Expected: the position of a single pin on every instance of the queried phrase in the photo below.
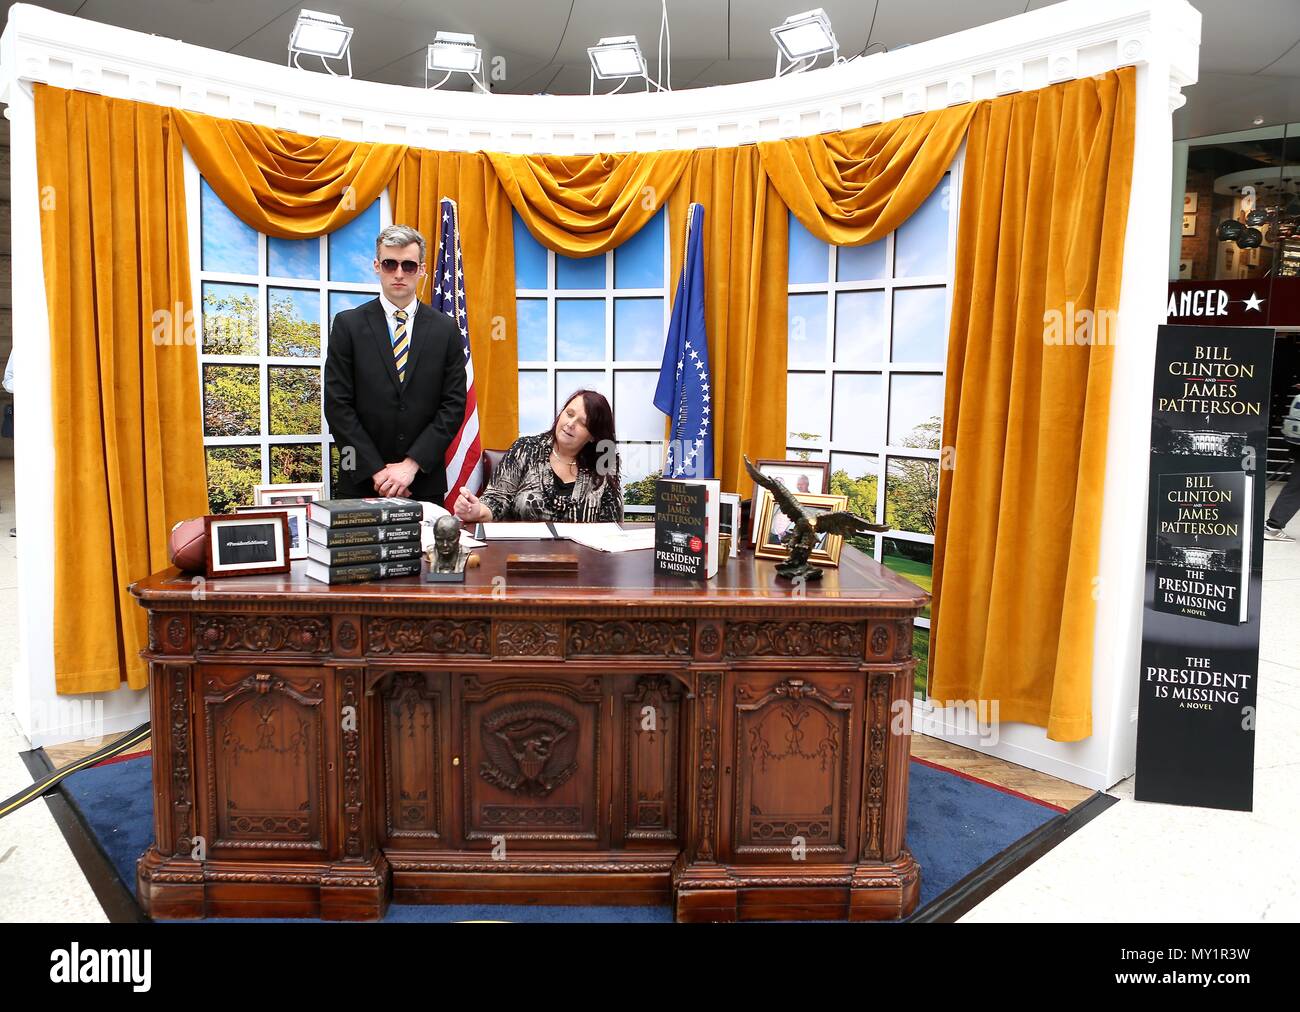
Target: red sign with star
(1258, 302)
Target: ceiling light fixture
(619, 58)
(801, 38)
(455, 53)
(323, 35)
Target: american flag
(464, 455)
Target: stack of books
(354, 540)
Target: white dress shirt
(390, 309)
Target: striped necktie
(401, 344)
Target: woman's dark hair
(600, 456)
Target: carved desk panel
(604, 737)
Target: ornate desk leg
(169, 881)
(702, 889)
(356, 888)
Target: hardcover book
(686, 527)
(355, 555)
(361, 573)
(338, 537)
(366, 512)
(1203, 545)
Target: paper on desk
(517, 532)
(609, 537)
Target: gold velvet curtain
(1043, 216)
(1042, 228)
(285, 184)
(128, 441)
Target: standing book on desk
(686, 527)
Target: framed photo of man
(246, 543)
(774, 525)
(810, 477)
(298, 494)
(297, 516)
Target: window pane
(340, 301)
(921, 242)
(805, 410)
(915, 407)
(531, 316)
(862, 263)
(569, 383)
(229, 245)
(635, 417)
(295, 400)
(921, 651)
(911, 494)
(639, 330)
(639, 262)
(809, 256)
(352, 248)
(232, 473)
(293, 323)
(293, 258)
(858, 410)
(859, 327)
(641, 464)
(229, 319)
(231, 400)
(920, 327)
(807, 321)
(571, 272)
(530, 257)
(535, 414)
(858, 477)
(294, 462)
(913, 560)
(580, 330)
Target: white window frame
(608, 364)
(264, 362)
(886, 369)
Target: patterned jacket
(523, 487)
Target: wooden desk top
(603, 579)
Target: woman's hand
(469, 510)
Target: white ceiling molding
(1070, 40)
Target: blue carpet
(954, 825)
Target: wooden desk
(611, 737)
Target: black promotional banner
(1205, 544)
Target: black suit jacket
(384, 421)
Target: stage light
(455, 53)
(801, 38)
(323, 35)
(617, 57)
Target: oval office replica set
(477, 499)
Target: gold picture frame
(829, 546)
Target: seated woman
(568, 474)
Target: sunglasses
(408, 266)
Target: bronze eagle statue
(805, 528)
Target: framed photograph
(288, 495)
(1189, 202)
(729, 521)
(297, 525)
(246, 543)
(1189, 224)
(800, 476)
(773, 523)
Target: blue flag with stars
(683, 393)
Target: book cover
(355, 555)
(366, 512)
(359, 574)
(1203, 543)
(687, 527)
(338, 537)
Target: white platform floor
(1135, 862)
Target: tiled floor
(1134, 862)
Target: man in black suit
(394, 382)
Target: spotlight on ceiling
(801, 38)
(455, 53)
(618, 58)
(323, 35)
